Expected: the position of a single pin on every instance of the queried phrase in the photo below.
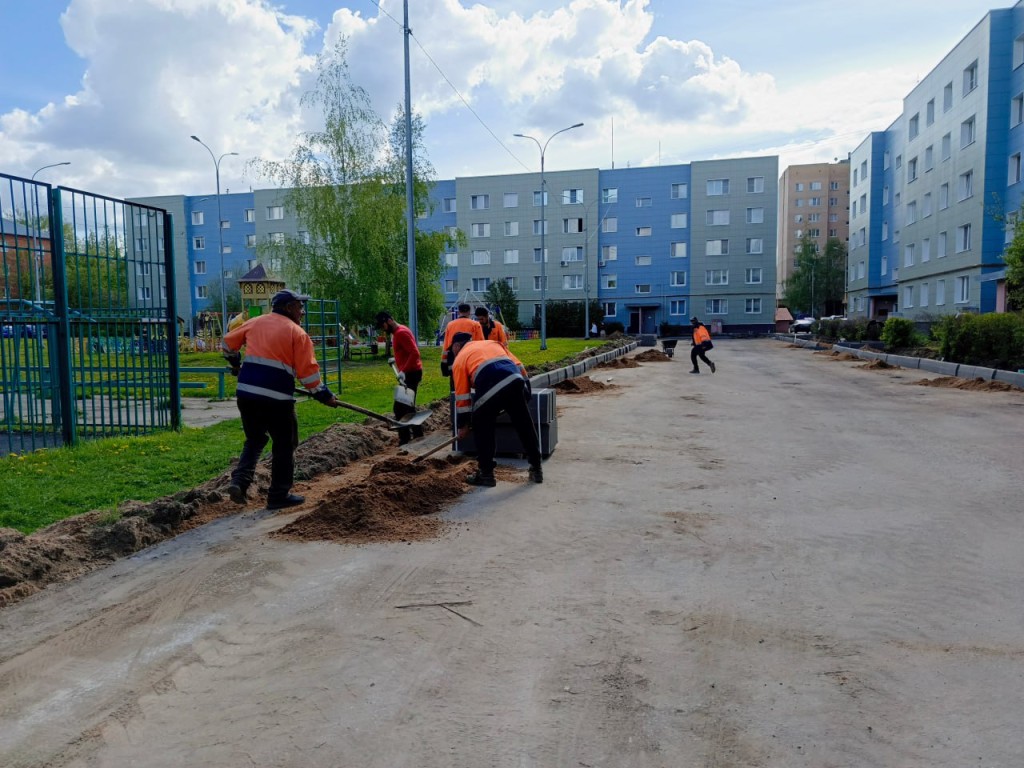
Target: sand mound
(620, 362)
(581, 385)
(878, 365)
(974, 385)
(652, 356)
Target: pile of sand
(581, 385)
(878, 365)
(974, 385)
(652, 356)
(619, 362)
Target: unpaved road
(795, 562)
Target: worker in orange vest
(700, 345)
(491, 328)
(464, 323)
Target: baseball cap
(286, 297)
(459, 338)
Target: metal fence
(89, 331)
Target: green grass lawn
(43, 487)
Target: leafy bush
(898, 333)
(994, 340)
(614, 327)
(669, 329)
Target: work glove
(234, 359)
(323, 395)
(401, 378)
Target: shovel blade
(414, 419)
(405, 396)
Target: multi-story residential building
(814, 200)
(651, 245)
(933, 191)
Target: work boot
(712, 367)
(536, 475)
(291, 500)
(237, 493)
(694, 371)
(480, 479)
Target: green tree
(1013, 255)
(346, 184)
(818, 283)
(499, 294)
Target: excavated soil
(973, 385)
(877, 365)
(652, 356)
(581, 385)
(831, 354)
(620, 362)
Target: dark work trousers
(412, 381)
(511, 399)
(262, 419)
(696, 352)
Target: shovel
(412, 420)
(403, 394)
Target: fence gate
(89, 347)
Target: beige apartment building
(814, 200)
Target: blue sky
(117, 86)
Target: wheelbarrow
(669, 345)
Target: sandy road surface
(795, 562)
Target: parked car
(802, 325)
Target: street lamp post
(543, 227)
(38, 257)
(220, 235)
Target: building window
(572, 226)
(752, 306)
(963, 289)
(677, 279)
(250, 241)
(453, 232)
(967, 132)
(642, 261)
(929, 112)
(643, 231)
(451, 260)
(911, 212)
(450, 286)
(944, 197)
(481, 284)
(755, 215)
(718, 187)
(963, 238)
(912, 169)
(572, 196)
(940, 245)
(965, 185)
(537, 282)
(198, 243)
(678, 221)
(677, 307)
(1014, 176)
(510, 200)
(716, 277)
(947, 97)
(679, 191)
(885, 195)
(197, 218)
(642, 288)
(609, 252)
(717, 218)
(275, 212)
(199, 268)
(225, 249)
(609, 309)
(276, 264)
(572, 282)
(512, 282)
(449, 205)
(677, 250)
(716, 307)
(940, 292)
(914, 127)
(572, 253)
(716, 247)
(926, 205)
(1018, 54)
(225, 224)
(610, 282)
(929, 158)
(537, 227)
(537, 197)
(755, 184)
(511, 256)
(511, 228)
(481, 258)
(860, 270)
(276, 237)
(754, 275)
(250, 215)
(1016, 111)
(908, 255)
(610, 195)
(814, 201)
(536, 255)
(480, 230)
(908, 296)
(202, 292)
(971, 78)
(479, 202)
(755, 245)
(926, 250)
(610, 224)
(643, 202)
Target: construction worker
(701, 343)
(277, 351)
(464, 323)
(490, 380)
(491, 328)
(410, 369)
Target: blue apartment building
(932, 195)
